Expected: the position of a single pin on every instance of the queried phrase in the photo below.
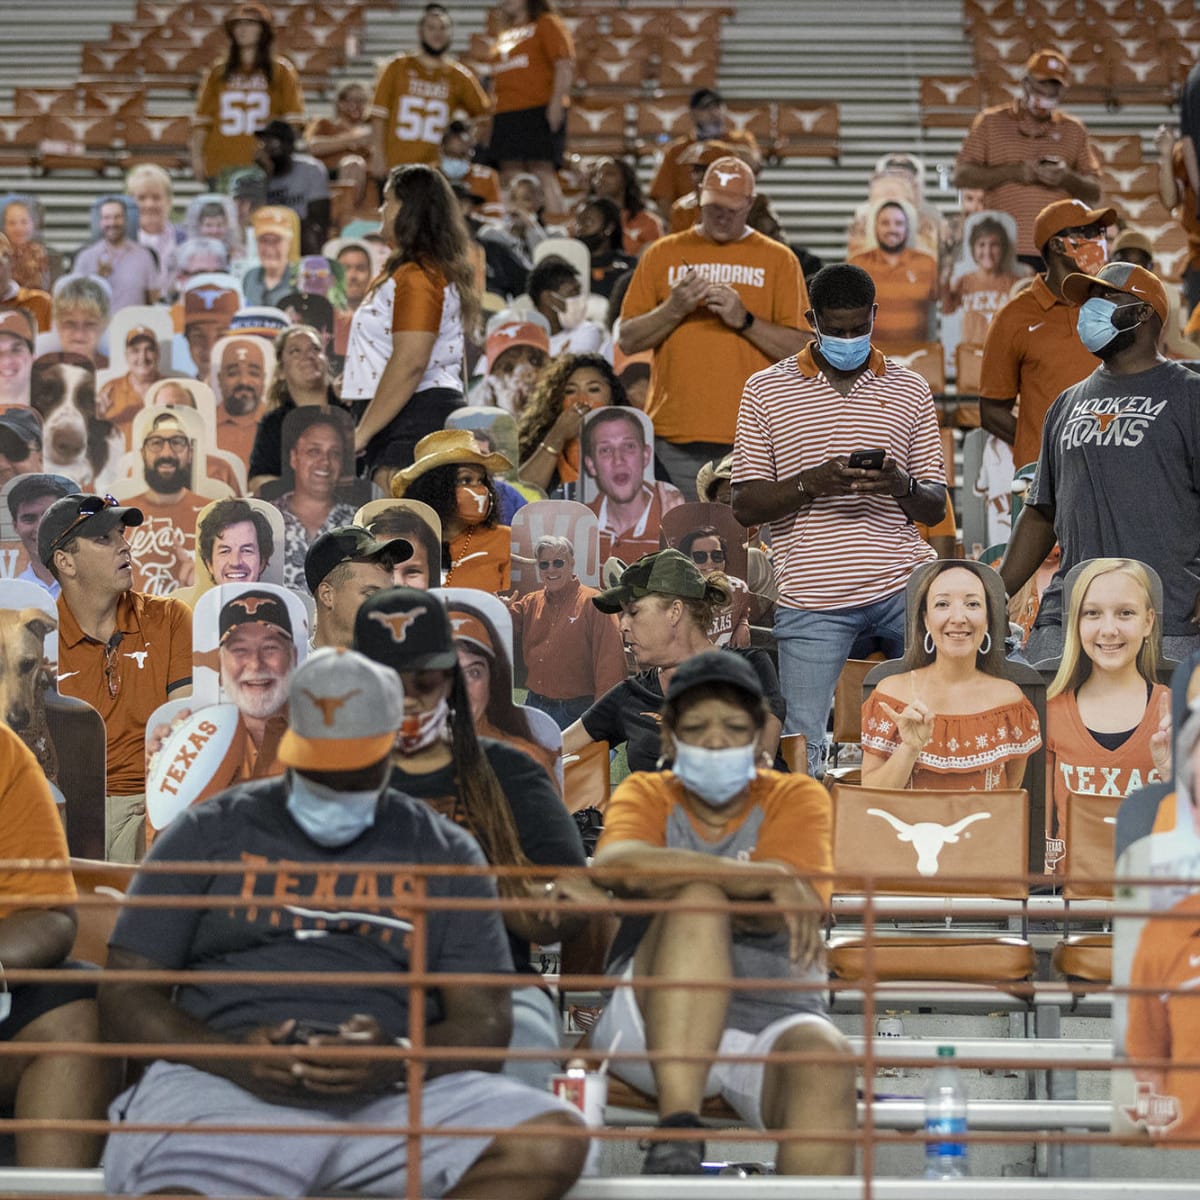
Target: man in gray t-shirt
(295, 181)
(1119, 469)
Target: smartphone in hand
(867, 460)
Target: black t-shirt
(327, 924)
(630, 711)
(548, 835)
(266, 456)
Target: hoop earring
(986, 644)
(928, 642)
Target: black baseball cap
(350, 543)
(407, 630)
(20, 434)
(256, 606)
(83, 516)
(714, 666)
(277, 129)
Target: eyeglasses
(556, 563)
(112, 668)
(178, 443)
(88, 507)
(700, 557)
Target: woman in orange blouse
(951, 721)
(616, 180)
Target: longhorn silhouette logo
(724, 178)
(397, 623)
(927, 837)
(329, 705)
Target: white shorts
(299, 1164)
(737, 1082)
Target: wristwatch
(747, 322)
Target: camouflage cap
(665, 573)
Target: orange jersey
(1007, 134)
(153, 655)
(523, 63)
(642, 537)
(1165, 1021)
(906, 287)
(639, 231)
(1033, 352)
(232, 109)
(415, 103)
(697, 374)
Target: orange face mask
(1090, 254)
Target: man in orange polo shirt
(906, 280)
(1032, 351)
(714, 304)
(123, 652)
(1029, 153)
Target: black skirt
(526, 136)
(393, 446)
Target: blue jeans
(813, 648)
(564, 712)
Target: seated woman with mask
(951, 721)
(717, 828)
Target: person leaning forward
(305, 836)
(123, 652)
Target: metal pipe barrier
(880, 1122)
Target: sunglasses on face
(87, 508)
(556, 563)
(700, 557)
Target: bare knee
(542, 1155)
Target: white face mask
(716, 776)
(329, 817)
(422, 730)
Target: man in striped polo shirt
(1029, 153)
(843, 536)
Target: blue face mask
(716, 776)
(455, 168)
(845, 354)
(1095, 322)
(329, 817)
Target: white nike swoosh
(1037, 326)
(468, 557)
(67, 675)
(1194, 960)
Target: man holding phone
(322, 853)
(838, 448)
(1029, 153)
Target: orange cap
(728, 183)
(1120, 277)
(1067, 214)
(1048, 64)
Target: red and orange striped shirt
(841, 551)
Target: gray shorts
(736, 1081)
(285, 1165)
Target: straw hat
(442, 447)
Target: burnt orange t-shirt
(30, 827)
(153, 657)
(906, 291)
(523, 63)
(415, 103)
(232, 109)
(1164, 1022)
(1033, 353)
(481, 558)
(637, 232)
(697, 374)
(163, 545)
(797, 819)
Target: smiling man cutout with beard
(162, 545)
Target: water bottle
(945, 1112)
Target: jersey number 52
(243, 112)
(420, 120)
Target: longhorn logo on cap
(252, 603)
(725, 178)
(208, 295)
(329, 704)
(397, 623)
